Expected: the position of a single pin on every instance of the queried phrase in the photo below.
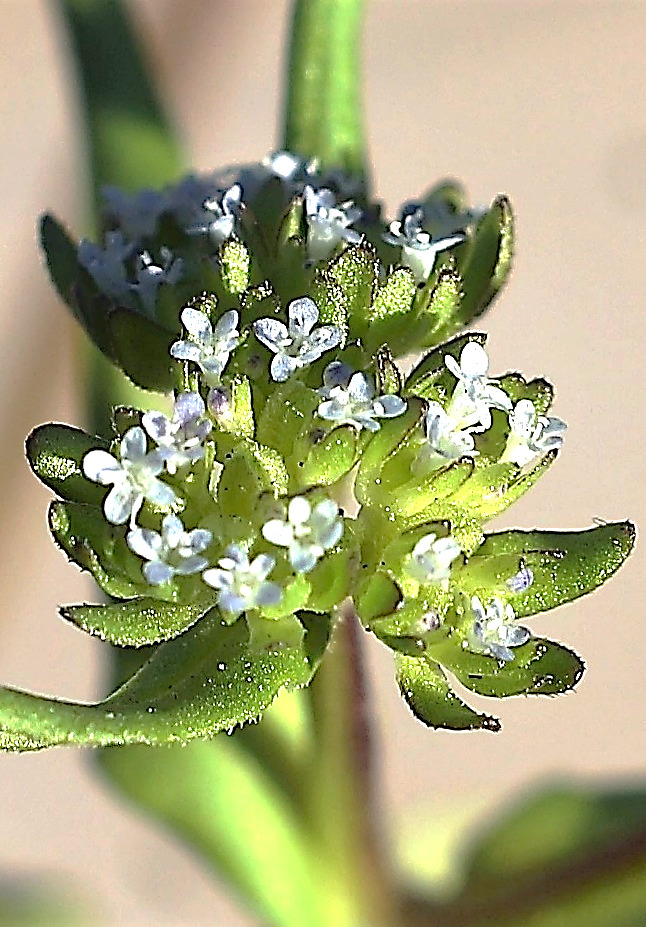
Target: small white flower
(431, 559)
(419, 250)
(136, 213)
(106, 265)
(328, 223)
(475, 394)
(308, 532)
(445, 440)
(350, 399)
(494, 630)
(522, 580)
(208, 347)
(179, 438)
(299, 343)
(242, 584)
(173, 552)
(133, 477)
(219, 214)
(150, 276)
(531, 434)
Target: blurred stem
(130, 145)
(323, 113)
(356, 881)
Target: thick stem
(356, 881)
(323, 112)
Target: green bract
(274, 310)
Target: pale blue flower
(151, 275)
(350, 399)
(328, 222)
(494, 630)
(173, 552)
(133, 477)
(242, 584)
(208, 347)
(475, 394)
(107, 265)
(418, 249)
(531, 434)
(307, 532)
(431, 559)
(445, 440)
(298, 344)
(180, 437)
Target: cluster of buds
(270, 308)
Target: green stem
(323, 112)
(356, 882)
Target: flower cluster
(274, 308)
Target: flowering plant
(322, 440)
(281, 310)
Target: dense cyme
(273, 306)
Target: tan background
(542, 100)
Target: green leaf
(98, 547)
(489, 260)
(55, 453)
(205, 681)
(431, 699)
(138, 622)
(539, 667)
(142, 350)
(565, 564)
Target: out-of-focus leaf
(152, 368)
(220, 800)
(566, 857)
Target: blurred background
(541, 100)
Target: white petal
(303, 315)
(389, 406)
(272, 333)
(282, 367)
(157, 426)
(120, 503)
(160, 493)
(359, 389)
(199, 539)
(197, 324)
(145, 543)
(186, 351)
(299, 510)
(262, 566)
(268, 594)
(303, 557)
(189, 407)
(219, 579)
(278, 532)
(101, 467)
(226, 324)
(133, 444)
(172, 530)
(473, 360)
(157, 573)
